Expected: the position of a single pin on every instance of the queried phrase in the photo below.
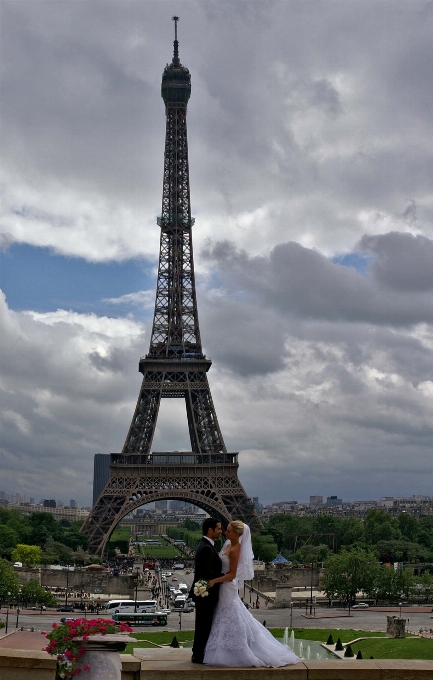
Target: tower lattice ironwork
(174, 367)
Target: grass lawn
(322, 634)
(158, 551)
(384, 648)
(406, 648)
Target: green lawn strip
(322, 634)
(405, 648)
(384, 648)
(159, 551)
(160, 638)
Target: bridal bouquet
(200, 588)
(66, 642)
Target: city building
(316, 501)
(50, 503)
(101, 474)
(72, 504)
(333, 502)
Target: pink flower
(86, 667)
(77, 671)
(73, 632)
(82, 650)
(54, 625)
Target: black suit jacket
(207, 566)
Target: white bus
(129, 606)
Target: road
(368, 619)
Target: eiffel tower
(175, 366)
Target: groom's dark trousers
(207, 567)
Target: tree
(348, 572)
(191, 525)
(392, 584)
(426, 585)
(408, 526)
(9, 582)
(8, 540)
(380, 526)
(264, 546)
(33, 592)
(27, 554)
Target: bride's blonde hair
(238, 526)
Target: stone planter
(102, 655)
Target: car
(64, 619)
(174, 578)
(165, 611)
(65, 608)
(360, 605)
(43, 608)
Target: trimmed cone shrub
(359, 655)
(174, 642)
(330, 640)
(348, 652)
(339, 647)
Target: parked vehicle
(66, 608)
(120, 606)
(360, 605)
(142, 619)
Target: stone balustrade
(175, 664)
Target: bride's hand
(211, 583)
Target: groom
(207, 567)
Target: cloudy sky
(311, 160)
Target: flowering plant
(66, 642)
(201, 588)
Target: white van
(183, 588)
(128, 606)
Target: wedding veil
(245, 570)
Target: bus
(131, 606)
(142, 619)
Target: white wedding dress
(237, 640)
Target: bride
(236, 638)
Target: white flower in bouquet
(200, 588)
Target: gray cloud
(302, 282)
(402, 262)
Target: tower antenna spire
(176, 60)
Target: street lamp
(311, 589)
(136, 589)
(18, 608)
(67, 585)
(7, 613)
(400, 604)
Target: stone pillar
(395, 627)
(283, 596)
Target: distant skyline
(311, 184)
